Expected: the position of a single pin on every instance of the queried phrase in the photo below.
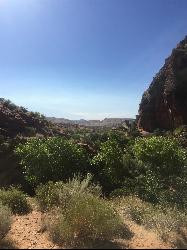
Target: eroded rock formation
(16, 120)
(164, 104)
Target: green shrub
(120, 137)
(162, 154)
(15, 199)
(51, 159)
(119, 192)
(59, 194)
(5, 220)
(163, 219)
(107, 165)
(181, 135)
(86, 220)
(163, 172)
(132, 207)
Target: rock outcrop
(16, 120)
(164, 104)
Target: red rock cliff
(164, 104)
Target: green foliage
(37, 115)
(6, 145)
(15, 199)
(163, 219)
(107, 165)
(86, 220)
(181, 134)
(162, 154)
(51, 159)
(133, 130)
(120, 192)
(120, 137)
(77, 215)
(59, 194)
(8, 104)
(110, 154)
(133, 208)
(154, 168)
(163, 175)
(5, 220)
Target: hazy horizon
(91, 119)
(85, 59)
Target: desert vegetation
(89, 184)
(5, 220)
(87, 193)
(78, 215)
(15, 199)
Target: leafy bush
(5, 220)
(132, 207)
(164, 174)
(37, 115)
(51, 159)
(119, 192)
(107, 165)
(120, 137)
(86, 219)
(15, 199)
(181, 135)
(162, 154)
(59, 194)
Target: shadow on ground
(181, 241)
(118, 243)
(107, 245)
(7, 244)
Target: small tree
(51, 159)
(163, 154)
(164, 176)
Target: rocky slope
(16, 120)
(164, 104)
(16, 125)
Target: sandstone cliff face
(164, 104)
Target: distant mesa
(107, 122)
(164, 104)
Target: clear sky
(85, 58)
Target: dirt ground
(26, 233)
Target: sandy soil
(144, 239)
(26, 233)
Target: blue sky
(85, 58)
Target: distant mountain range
(108, 122)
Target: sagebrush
(5, 220)
(59, 194)
(85, 220)
(15, 199)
